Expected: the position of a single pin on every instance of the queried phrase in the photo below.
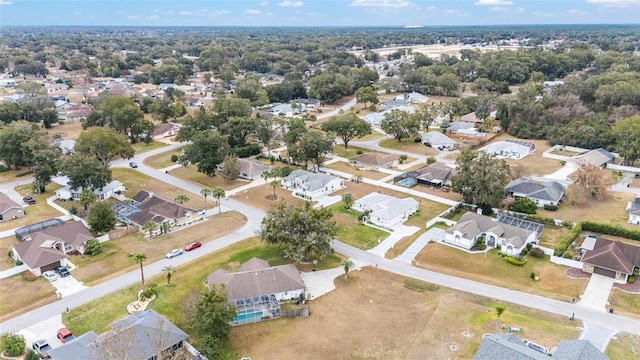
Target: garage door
(50, 266)
(605, 272)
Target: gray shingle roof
(550, 190)
(312, 181)
(472, 225)
(578, 350)
(506, 346)
(459, 125)
(635, 206)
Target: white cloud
(576, 12)
(493, 2)
(264, 3)
(152, 17)
(3, 2)
(252, 12)
(219, 12)
(288, 3)
(133, 17)
(615, 3)
(498, 8)
(383, 3)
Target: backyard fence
(118, 233)
(566, 262)
(301, 312)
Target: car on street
(62, 271)
(50, 275)
(29, 200)
(42, 347)
(173, 253)
(133, 164)
(192, 246)
(65, 335)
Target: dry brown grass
(409, 146)
(533, 164)
(551, 234)
(491, 269)
(67, 131)
(40, 211)
(624, 347)
(437, 192)
(27, 293)
(611, 210)
(625, 303)
(191, 174)
(5, 245)
(363, 320)
(257, 197)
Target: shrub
(537, 253)
(403, 158)
(529, 246)
(568, 255)
(149, 292)
(417, 140)
(248, 150)
(431, 160)
(631, 279)
(285, 171)
(2, 168)
(31, 355)
(516, 261)
(174, 158)
(93, 247)
(567, 224)
(359, 152)
(614, 230)
(564, 243)
(73, 210)
(481, 244)
(12, 344)
(524, 205)
(551, 207)
(532, 275)
(272, 159)
(524, 252)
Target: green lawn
(351, 151)
(162, 160)
(624, 346)
(141, 147)
(352, 232)
(626, 303)
(186, 282)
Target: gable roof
(7, 204)
(596, 157)
(436, 138)
(256, 278)
(71, 233)
(471, 117)
(613, 255)
(460, 125)
(312, 181)
(251, 166)
(375, 159)
(140, 335)
(506, 346)
(155, 208)
(578, 350)
(549, 190)
(472, 225)
(385, 206)
(634, 208)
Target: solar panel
(520, 223)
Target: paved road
(595, 317)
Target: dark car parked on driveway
(62, 271)
(29, 200)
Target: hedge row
(515, 261)
(613, 230)
(564, 243)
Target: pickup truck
(65, 335)
(42, 348)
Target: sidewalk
(400, 231)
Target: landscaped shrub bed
(515, 261)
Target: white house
(66, 193)
(541, 193)
(633, 208)
(413, 97)
(437, 140)
(309, 185)
(66, 146)
(471, 227)
(510, 149)
(376, 118)
(386, 211)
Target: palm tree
(218, 193)
(140, 258)
(150, 226)
(182, 198)
(266, 175)
(169, 270)
(347, 199)
(87, 197)
(274, 185)
(205, 192)
(347, 264)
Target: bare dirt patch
(363, 319)
(68, 131)
(257, 197)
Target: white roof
(504, 147)
(436, 138)
(385, 206)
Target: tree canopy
(480, 179)
(400, 124)
(104, 144)
(347, 127)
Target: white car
(50, 275)
(174, 253)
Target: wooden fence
(122, 232)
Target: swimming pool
(408, 182)
(248, 316)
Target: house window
(457, 238)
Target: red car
(65, 335)
(192, 246)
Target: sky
(316, 12)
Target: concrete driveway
(596, 295)
(67, 285)
(45, 329)
(433, 234)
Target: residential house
(596, 157)
(256, 289)
(395, 103)
(374, 161)
(146, 206)
(193, 102)
(614, 259)
(434, 175)
(165, 130)
(457, 126)
(472, 132)
(437, 140)
(77, 113)
(9, 209)
(510, 149)
(473, 227)
(250, 169)
(509, 346)
(385, 211)
(165, 86)
(47, 249)
(309, 104)
(66, 146)
(633, 208)
(540, 192)
(287, 109)
(413, 97)
(109, 190)
(309, 185)
(471, 118)
(376, 118)
(142, 335)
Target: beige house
(9, 209)
(374, 161)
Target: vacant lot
(191, 174)
(409, 146)
(611, 210)
(27, 292)
(624, 346)
(162, 160)
(261, 197)
(374, 315)
(492, 269)
(344, 167)
(67, 131)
